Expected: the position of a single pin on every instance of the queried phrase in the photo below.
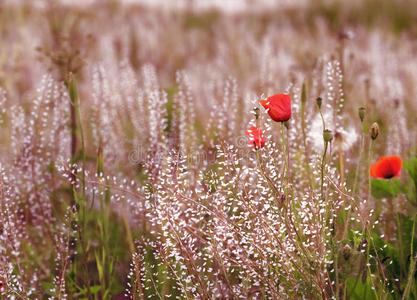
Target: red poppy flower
(257, 137)
(278, 107)
(387, 167)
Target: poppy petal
(279, 107)
(396, 164)
(257, 137)
(386, 167)
(264, 103)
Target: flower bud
(374, 131)
(327, 135)
(362, 113)
(256, 112)
(346, 251)
(319, 101)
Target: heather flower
(387, 167)
(278, 107)
(257, 137)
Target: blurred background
(265, 45)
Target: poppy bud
(327, 135)
(256, 112)
(318, 100)
(362, 113)
(374, 130)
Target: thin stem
(369, 168)
(322, 119)
(412, 267)
(341, 166)
(323, 163)
(412, 236)
(303, 129)
(361, 146)
(285, 152)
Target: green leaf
(99, 267)
(95, 289)
(411, 167)
(47, 286)
(382, 188)
(72, 89)
(357, 290)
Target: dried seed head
(362, 111)
(374, 131)
(327, 135)
(319, 101)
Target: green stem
(355, 182)
(285, 152)
(73, 93)
(322, 119)
(400, 240)
(412, 267)
(323, 163)
(368, 246)
(371, 145)
(412, 236)
(303, 129)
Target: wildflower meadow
(202, 149)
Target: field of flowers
(195, 152)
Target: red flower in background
(387, 167)
(278, 107)
(257, 137)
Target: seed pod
(374, 131)
(362, 113)
(327, 135)
(319, 101)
